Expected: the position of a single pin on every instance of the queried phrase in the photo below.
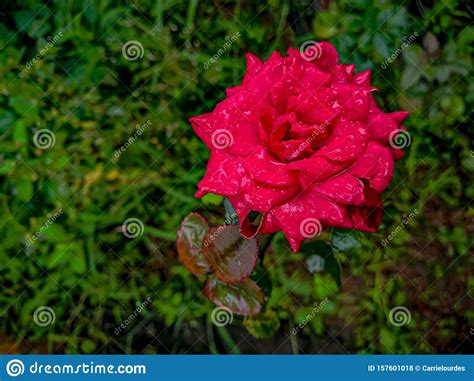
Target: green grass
(92, 98)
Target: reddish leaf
(244, 298)
(231, 257)
(189, 242)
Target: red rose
(302, 141)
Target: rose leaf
(231, 257)
(189, 243)
(244, 298)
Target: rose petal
(291, 149)
(316, 168)
(362, 78)
(327, 56)
(369, 216)
(380, 126)
(346, 142)
(315, 106)
(350, 70)
(222, 176)
(230, 122)
(354, 101)
(344, 189)
(262, 168)
(306, 215)
(262, 198)
(376, 165)
(398, 116)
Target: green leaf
(231, 217)
(231, 257)
(264, 325)
(189, 243)
(315, 263)
(212, 199)
(19, 133)
(325, 25)
(262, 278)
(381, 46)
(88, 346)
(344, 241)
(244, 298)
(7, 119)
(323, 250)
(410, 77)
(24, 187)
(6, 167)
(388, 339)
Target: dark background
(85, 91)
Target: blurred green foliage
(84, 90)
